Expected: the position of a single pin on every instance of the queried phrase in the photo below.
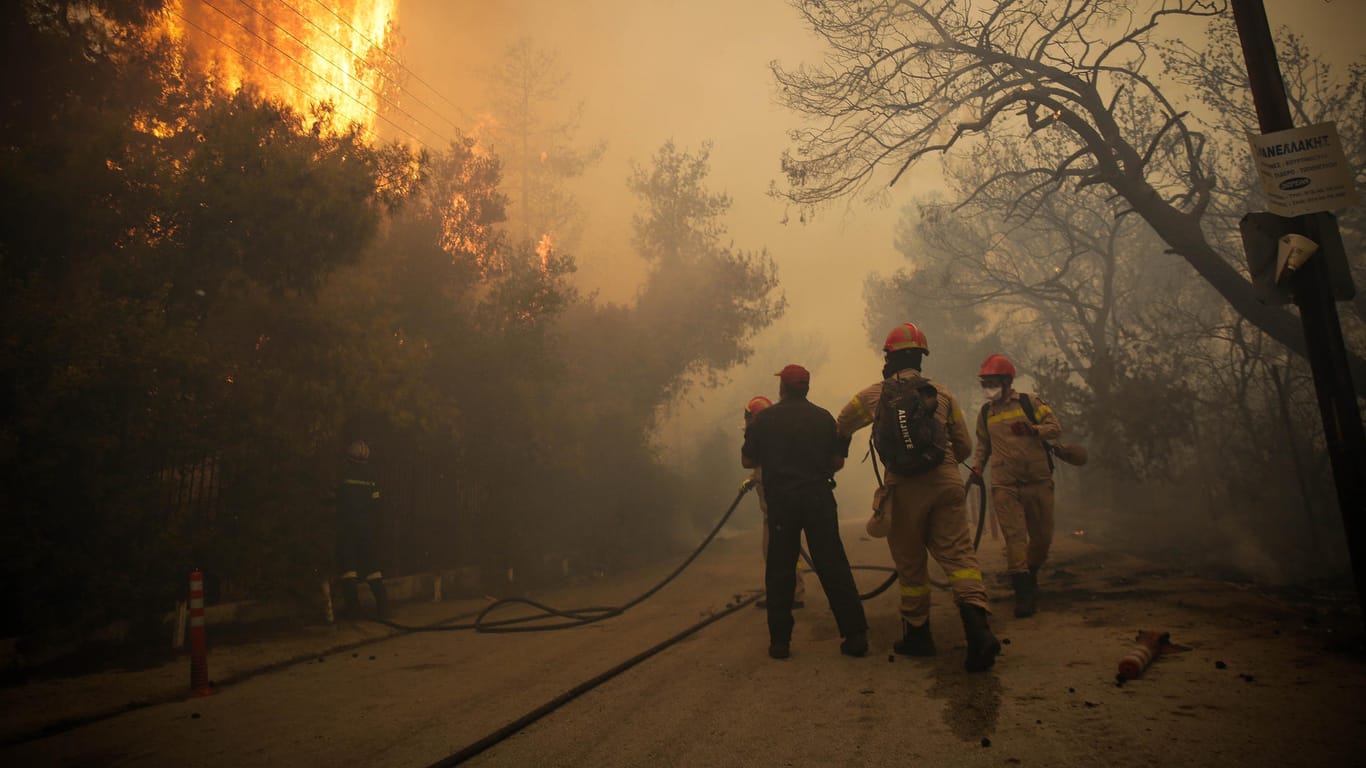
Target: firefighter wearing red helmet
(924, 508)
(756, 481)
(1012, 430)
(906, 336)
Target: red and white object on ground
(1151, 644)
(199, 647)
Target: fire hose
(578, 617)
(976, 541)
(583, 616)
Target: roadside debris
(1151, 644)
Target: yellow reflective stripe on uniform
(955, 416)
(349, 575)
(862, 412)
(374, 495)
(964, 574)
(1014, 413)
(914, 590)
(358, 482)
(1041, 410)
(373, 576)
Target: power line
(346, 47)
(384, 51)
(336, 66)
(284, 79)
(310, 70)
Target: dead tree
(913, 78)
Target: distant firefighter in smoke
(1013, 430)
(358, 509)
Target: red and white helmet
(359, 452)
(997, 365)
(906, 336)
(757, 404)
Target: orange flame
(544, 249)
(298, 52)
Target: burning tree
(163, 241)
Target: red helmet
(906, 336)
(997, 365)
(757, 404)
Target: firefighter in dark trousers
(756, 481)
(1021, 474)
(357, 518)
(794, 443)
(927, 514)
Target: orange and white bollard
(199, 650)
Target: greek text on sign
(1303, 170)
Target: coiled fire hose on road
(578, 617)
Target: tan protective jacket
(1016, 458)
(862, 408)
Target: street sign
(1303, 170)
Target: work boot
(982, 644)
(855, 644)
(381, 598)
(777, 650)
(915, 641)
(1026, 594)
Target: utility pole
(1313, 295)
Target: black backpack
(907, 432)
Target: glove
(1023, 428)
(747, 485)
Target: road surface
(1267, 681)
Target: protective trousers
(815, 512)
(928, 520)
(356, 558)
(1025, 512)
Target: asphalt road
(1267, 681)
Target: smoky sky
(690, 71)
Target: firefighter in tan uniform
(1011, 431)
(756, 481)
(926, 513)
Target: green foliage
(207, 297)
(160, 253)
